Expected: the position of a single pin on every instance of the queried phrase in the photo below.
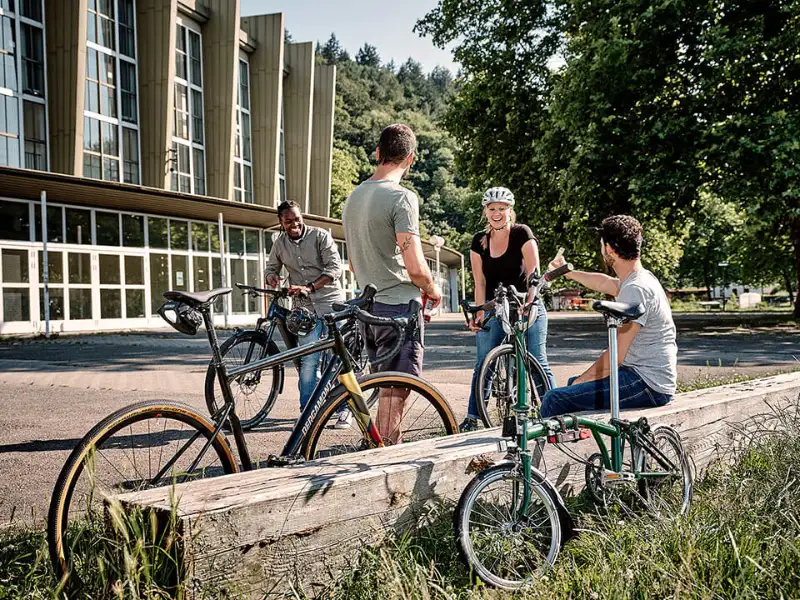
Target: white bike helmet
(498, 194)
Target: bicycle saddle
(619, 310)
(195, 299)
(364, 301)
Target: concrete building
(144, 125)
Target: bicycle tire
(437, 417)
(657, 498)
(487, 380)
(471, 537)
(251, 413)
(63, 497)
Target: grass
(740, 540)
(134, 557)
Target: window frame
(21, 96)
(240, 163)
(119, 58)
(198, 183)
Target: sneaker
(468, 424)
(345, 420)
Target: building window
(243, 155)
(100, 23)
(23, 116)
(111, 123)
(32, 60)
(35, 136)
(128, 91)
(9, 131)
(127, 28)
(8, 43)
(188, 130)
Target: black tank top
(508, 269)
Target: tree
(332, 50)
(653, 106)
(368, 56)
(749, 78)
(344, 178)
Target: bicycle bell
(300, 321)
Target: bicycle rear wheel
(254, 393)
(423, 414)
(665, 484)
(133, 449)
(497, 384)
(504, 545)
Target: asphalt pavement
(53, 391)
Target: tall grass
(740, 540)
(132, 556)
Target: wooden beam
(267, 530)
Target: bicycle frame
(528, 432)
(340, 367)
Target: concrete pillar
(322, 139)
(298, 104)
(66, 75)
(265, 32)
(220, 81)
(156, 22)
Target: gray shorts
(380, 340)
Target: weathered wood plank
(267, 529)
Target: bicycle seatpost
(613, 353)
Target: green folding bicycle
(511, 522)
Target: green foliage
(368, 98)
(368, 56)
(587, 109)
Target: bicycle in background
(255, 394)
(497, 377)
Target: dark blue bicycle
(255, 394)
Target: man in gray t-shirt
(381, 228)
(647, 349)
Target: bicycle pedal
(612, 477)
(284, 461)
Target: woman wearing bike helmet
(503, 253)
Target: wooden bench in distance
(266, 531)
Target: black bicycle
(255, 394)
(497, 376)
(156, 443)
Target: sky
(386, 25)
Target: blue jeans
(309, 365)
(594, 395)
(536, 338)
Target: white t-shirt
(654, 352)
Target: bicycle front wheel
(146, 445)
(497, 384)
(255, 393)
(403, 407)
(665, 476)
(503, 542)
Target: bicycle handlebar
(558, 272)
(254, 291)
(402, 324)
